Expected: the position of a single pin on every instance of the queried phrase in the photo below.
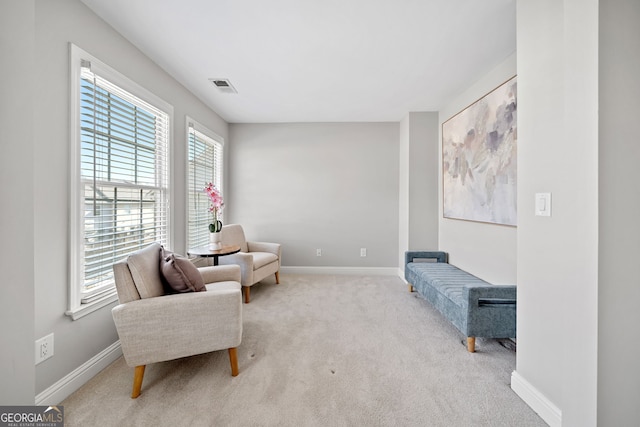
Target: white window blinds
(205, 158)
(123, 177)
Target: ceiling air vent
(224, 85)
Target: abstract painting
(479, 159)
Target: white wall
(418, 192)
(619, 233)
(558, 255)
(486, 250)
(56, 24)
(332, 186)
(17, 372)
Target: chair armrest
(220, 273)
(439, 256)
(173, 326)
(273, 248)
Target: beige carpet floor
(321, 350)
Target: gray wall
(558, 255)
(17, 372)
(332, 186)
(619, 200)
(58, 23)
(486, 250)
(418, 192)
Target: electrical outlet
(44, 348)
(363, 251)
(318, 252)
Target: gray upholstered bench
(477, 308)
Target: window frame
(105, 295)
(217, 139)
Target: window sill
(84, 309)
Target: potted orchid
(215, 208)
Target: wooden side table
(206, 252)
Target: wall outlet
(44, 348)
(318, 252)
(363, 251)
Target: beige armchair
(154, 327)
(257, 260)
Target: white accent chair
(154, 327)
(257, 260)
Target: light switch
(543, 204)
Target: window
(205, 158)
(120, 177)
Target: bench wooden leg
(277, 277)
(410, 287)
(233, 358)
(247, 294)
(471, 344)
(138, 374)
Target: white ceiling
(319, 60)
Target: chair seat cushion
(260, 259)
(181, 275)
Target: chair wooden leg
(233, 358)
(277, 277)
(410, 287)
(471, 344)
(247, 294)
(138, 374)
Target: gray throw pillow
(181, 275)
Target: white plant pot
(215, 240)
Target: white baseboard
(79, 376)
(364, 271)
(549, 412)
